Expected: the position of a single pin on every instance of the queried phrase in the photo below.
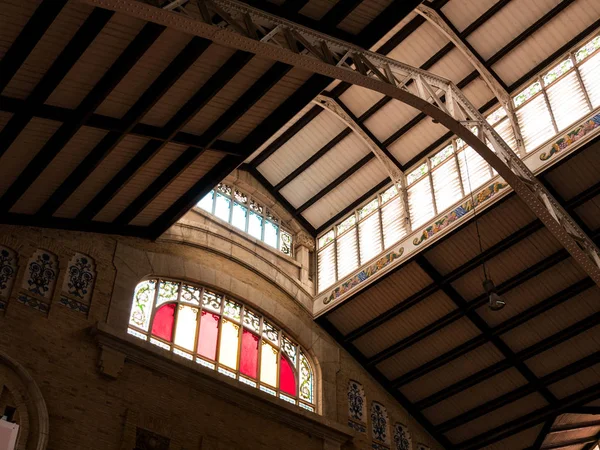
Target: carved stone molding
(304, 240)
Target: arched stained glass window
(222, 334)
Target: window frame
(216, 365)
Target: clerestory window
(222, 334)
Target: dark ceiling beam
(257, 137)
(294, 5)
(130, 119)
(485, 330)
(523, 391)
(280, 198)
(102, 122)
(314, 158)
(339, 12)
(246, 101)
(101, 90)
(585, 410)
(541, 437)
(536, 417)
(186, 113)
(457, 314)
(54, 75)
(335, 183)
(496, 368)
(384, 382)
(353, 205)
(28, 38)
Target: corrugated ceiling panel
(178, 187)
(508, 23)
(23, 149)
(379, 298)
(389, 119)
(47, 49)
(362, 15)
(539, 288)
(416, 140)
(552, 36)
(315, 9)
(509, 263)
(354, 187)
(494, 226)
(358, 99)
(565, 436)
(140, 181)
(187, 85)
(281, 131)
(576, 383)
(481, 393)
(429, 348)
(333, 164)
(58, 170)
(587, 168)
(419, 46)
(14, 15)
(308, 141)
(464, 12)
(453, 372)
(590, 213)
(97, 59)
(266, 105)
(412, 320)
(454, 66)
(523, 439)
(147, 69)
(478, 92)
(496, 418)
(107, 169)
(566, 353)
(226, 97)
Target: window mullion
(335, 255)
(404, 193)
(460, 179)
(199, 324)
(381, 240)
(430, 176)
(240, 335)
(548, 104)
(259, 359)
(580, 81)
(357, 234)
(153, 308)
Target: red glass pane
(287, 380)
(207, 339)
(162, 326)
(249, 356)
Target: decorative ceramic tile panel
(42, 271)
(8, 271)
(80, 278)
(357, 403)
(402, 439)
(380, 425)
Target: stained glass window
(222, 334)
(232, 205)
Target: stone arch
(33, 414)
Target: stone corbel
(111, 362)
(303, 239)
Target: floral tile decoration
(572, 136)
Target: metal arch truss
(242, 27)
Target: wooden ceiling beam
(107, 123)
(28, 38)
(131, 118)
(541, 437)
(67, 58)
(186, 113)
(248, 99)
(101, 90)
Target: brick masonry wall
(90, 411)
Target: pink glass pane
(207, 339)
(162, 326)
(249, 356)
(287, 380)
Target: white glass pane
(590, 73)
(238, 216)
(506, 132)
(473, 169)
(255, 224)
(222, 207)
(268, 364)
(392, 217)
(567, 101)
(446, 185)
(347, 253)
(271, 232)
(326, 267)
(535, 123)
(369, 233)
(420, 203)
(185, 331)
(207, 202)
(228, 348)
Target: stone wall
(101, 389)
